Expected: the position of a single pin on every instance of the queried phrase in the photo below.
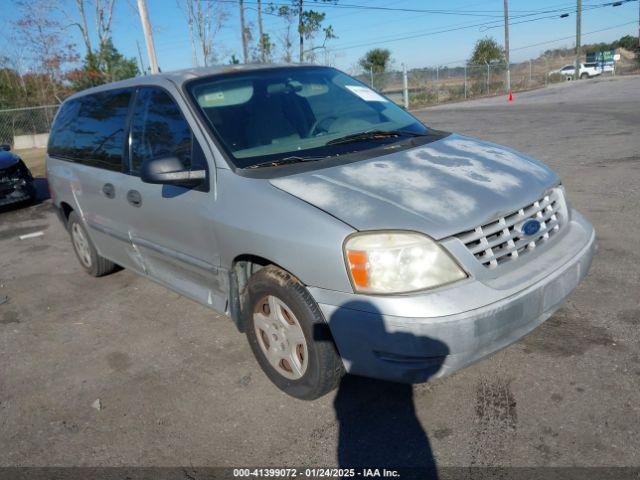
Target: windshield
(267, 115)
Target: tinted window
(100, 129)
(61, 138)
(159, 129)
(91, 130)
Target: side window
(99, 131)
(61, 138)
(158, 129)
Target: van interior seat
(263, 120)
(271, 119)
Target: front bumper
(376, 340)
(11, 193)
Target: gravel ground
(178, 385)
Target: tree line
(40, 66)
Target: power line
(612, 27)
(483, 25)
(542, 14)
(385, 9)
(555, 40)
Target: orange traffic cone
(510, 97)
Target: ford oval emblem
(530, 227)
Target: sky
(360, 29)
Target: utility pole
(148, 35)
(488, 75)
(261, 41)
(142, 69)
(245, 49)
(405, 87)
(300, 31)
(437, 83)
(576, 75)
(465, 81)
(506, 44)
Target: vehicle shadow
(42, 189)
(378, 426)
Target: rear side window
(91, 130)
(61, 138)
(158, 129)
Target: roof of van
(180, 76)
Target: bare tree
(41, 35)
(243, 33)
(309, 24)
(104, 17)
(187, 8)
(83, 26)
(205, 20)
(288, 15)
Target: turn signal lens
(398, 262)
(358, 267)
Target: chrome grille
(500, 240)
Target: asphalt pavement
(177, 385)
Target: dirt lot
(179, 386)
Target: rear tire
(584, 75)
(289, 335)
(86, 252)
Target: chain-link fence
(26, 127)
(440, 84)
(432, 85)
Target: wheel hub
(81, 244)
(280, 337)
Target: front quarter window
(266, 115)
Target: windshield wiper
(373, 135)
(285, 160)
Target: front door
(170, 226)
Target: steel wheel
(280, 337)
(81, 244)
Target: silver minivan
(334, 228)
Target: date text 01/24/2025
(315, 473)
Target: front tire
(289, 336)
(86, 252)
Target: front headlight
(398, 262)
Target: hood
(8, 159)
(441, 188)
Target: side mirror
(5, 147)
(170, 171)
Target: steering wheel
(317, 127)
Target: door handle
(134, 198)
(109, 190)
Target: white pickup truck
(587, 70)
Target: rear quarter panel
(63, 182)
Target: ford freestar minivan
(335, 229)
